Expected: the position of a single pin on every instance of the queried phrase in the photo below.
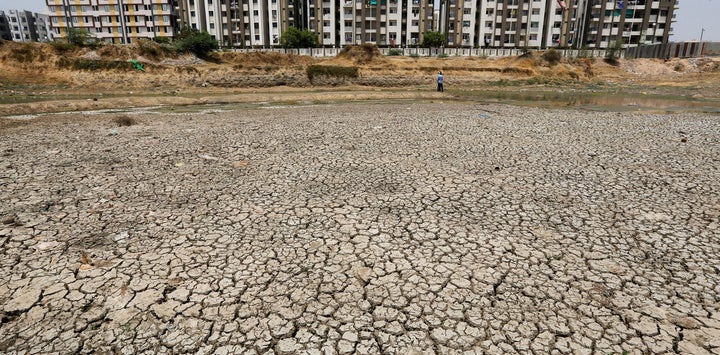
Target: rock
(22, 300)
(144, 299)
(363, 274)
(288, 346)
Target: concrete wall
(675, 50)
(430, 52)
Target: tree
(197, 42)
(295, 38)
(77, 37)
(433, 39)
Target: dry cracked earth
(375, 227)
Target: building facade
(465, 23)
(239, 23)
(555, 23)
(245, 23)
(113, 21)
(24, 26)
(21, 25)
(5, 27)
(634, 22)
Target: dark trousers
(440, 87)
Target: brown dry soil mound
(32, 72)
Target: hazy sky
(692, 17)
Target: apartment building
(240, 23)
(336, 22)
(5, 27)
(380, 22)
(635, 22)
(24, 26)
(113, 21)
(21, 25)
(42, 27)
(548, 23)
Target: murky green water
(596, 101)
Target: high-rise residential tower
(113, 21)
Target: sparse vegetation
(93, 65)
(187, 70)
(124, 121)
(552, 56)
(314, 71)
(361, 54)
(77, 36)
(63, 47)
(152, 49)
(26, 53)
(612, 54)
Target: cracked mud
(368, 228)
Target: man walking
(440, 80)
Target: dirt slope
(34, 71)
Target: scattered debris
(208, 157)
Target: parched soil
(376, 228)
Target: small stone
(363, 273)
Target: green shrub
(442, 55)
(433, 39)
(197, 42)
(295, 38)
(395, 52)
(414, 55)
(314, 71)
(77, 36)
(163, 40)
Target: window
(211, 13)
